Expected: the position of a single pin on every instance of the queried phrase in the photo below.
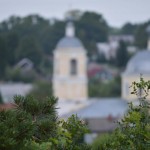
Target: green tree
(29, 48)
(98, 88)
(101, 58)
(17, 75)
(1, 99)
(52, 35)
(41, 90)
(34, 125)
(12, 41)
(92, 28)
(128, 28)
(3, 56)
(35, 38)
(121, 55)
(141, 35)
(133, 130)
(100, 141)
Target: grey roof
(102, 108)
(139, 63)
(9, 90)
(68, 42)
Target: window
(57, 66)
(126, 89)
(73, 67)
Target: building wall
(99, 125)
(70, 91)
(65, 85)
(62, 60)
(126, 86)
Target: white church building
(138, 65)
(70, 68)
(70, 85)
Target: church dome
(139, 63)
(69, 42)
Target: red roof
(7, 106)
(93, 69)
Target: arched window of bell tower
(73, 67)
(57, 66)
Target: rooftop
(69, 42)
(139, 63)
(101, 108)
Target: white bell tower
(70, 80)
(70, 30)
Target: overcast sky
(116, 12)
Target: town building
(70, 85)
(70, 67)
(24, 65)
(9, 90)
(138, 66)
(109, 48)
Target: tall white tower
(70, 67)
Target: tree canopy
(133, 131)
(35, 38)
(121, 55)
(34, 124)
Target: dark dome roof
(68, 42)
(139, 63)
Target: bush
(133, 130)
(1, 98)
(17, 75)
(41, 90)
(109, 89)
(35, 125)
(102, 140)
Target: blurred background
(111, 32)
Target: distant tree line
(139, 32)
(35, 37)
(99, 88)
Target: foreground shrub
(34, 125)
(100, 141)
(133, 132)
